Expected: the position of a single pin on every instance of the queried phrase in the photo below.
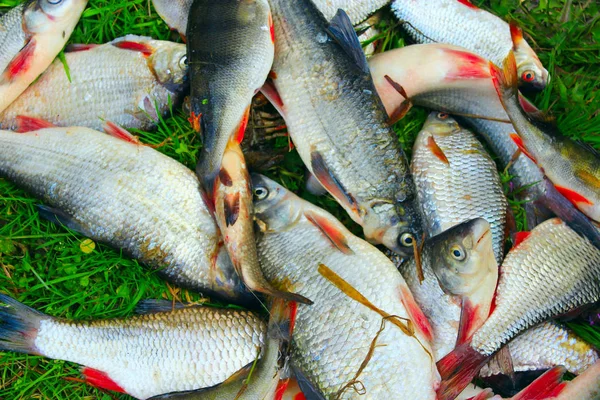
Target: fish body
(127, 195)
(174, 13)
(333, 336)
(460, 276)
(357, 10)
(230, 49)
(571, 166)
(338, 124)
(31, 36)
(144, 355)
(479, 31)
(552, 272)
(456, 179)
(126, 81)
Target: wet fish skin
(144, 355)
(357, 10)
(456, 179)
(127, 195)
(230, 48)
(332, 337)
(174, 13)
(338, 124)
(107, 84)
(30, 45)
(480, 31)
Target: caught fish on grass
(551, 273)
(31, 36)
(461, 23)
(127, 195)
(338, 346)
(230, 48)
(324, 91)
(129, 81)
(175, 13)
(144, 355)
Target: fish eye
(183, 62)
(442, 115)
(407, 240)
(260, 193)
(54, 2)
(458, 253)
(528, 76)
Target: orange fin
(572, 196)
(457, 369)
(270, 92)
(330, 182)
(239, 136)
(520, 238)
(416, 315)
(330, 231)
(281, 389)
(143, 48)
(435, 149)
(231, 208)
(271, 27)
(72, 48)
(194, 121)
(469, 66)
(468, 4)
(466, 327)
(547, 386)
(519, 142)
(505, 79)
(22, 61)
(120, 133)
(100, 380)
(29, 124)
(516, 34)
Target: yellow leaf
(87, 246)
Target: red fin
(467, 322)
(100, 380)
(484, 395)
(281, 388)
(72, 48)
(231, 208)
(546, 386)
(272, 27)
(528, 106)
(143, 48)
(29, 124)
(116, 131)
(331, 183)
(194, 121)
(505, 79)
(293, 314)
(332, 233)
(572, 196)
(416, 314)
(468, 4)
(519, 142)
(239, 136)
(435, 149)
(225, 178)
(516, 34)
(22, 61)
(469, 66)
(520, 237)
(269, 91)
(457, 369)
(300, 396)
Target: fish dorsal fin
(341, 30)
(152, 306)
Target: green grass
(43, 265)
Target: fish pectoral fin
(116, 131)
(436, 150)
(341, 30)
(468, 315)
(143, 48)
(330, 231)
(238, 135)
(21, 62)
(30, 124)
(310, 391)
(270, 92)
(60, 217)
(404, 107)
(231, 208)
(521, 146)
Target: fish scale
(357, 10)
(127, 195)
(107, 83)
(12, 35)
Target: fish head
(58, 12)
(170, 66)
(440, 123)
(531, 72)
(275, 207)
(462, 256)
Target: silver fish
(357, 10)
(175, 13)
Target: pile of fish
(443, 304)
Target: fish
(454, 80)
(234, 214)
(230, 49)
(573, 167)
(545, 346)
(144, 355)
(264, 379)
(129, 81)
(31, 36)
(130, 196)
(174, 13)
(306, 249)
(461, 23)
(457, 180)
(357, 10)
(457, 290)
(323, 89)
(551, 273)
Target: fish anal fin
(330, 182)
(468, 316)
(457, 369)
(575, 198)
(60, 217)
(101, 380)
(436, 150)
(342, 31)
(30, 124)
(143, 48)
(330, 231)
(116, 131)
(231, 208)
(548, 385)
(21, 62)
(519, 142)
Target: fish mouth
(482, 231)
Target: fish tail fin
(506, 80)
(548, 385)
(19, 326)
(457, 369)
